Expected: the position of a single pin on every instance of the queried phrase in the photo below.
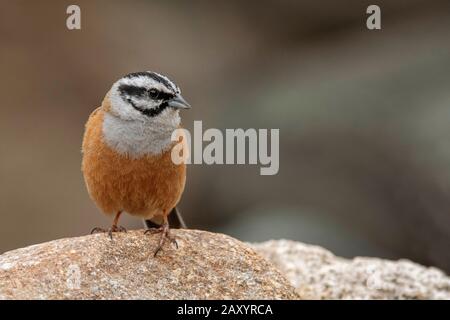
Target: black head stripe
(125, 89)
(128, 91)
(150, 112)
(153, 76)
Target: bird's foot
(110, 231)
(165, 235)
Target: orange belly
(148, 187)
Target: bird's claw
(110, 231)
(165, 235)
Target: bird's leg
(165, 235)
(114, 228)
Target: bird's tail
(175, 220)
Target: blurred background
(363, 116)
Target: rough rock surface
(206, 266)
(318, 274)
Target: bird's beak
(178, 102)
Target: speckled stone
(205, 266)
(318, 274)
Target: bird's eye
(153, 93)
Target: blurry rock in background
(363, 117)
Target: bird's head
(146, 96)
(141, 113)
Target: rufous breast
(148, 186)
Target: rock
(318, 274)
(206, 266)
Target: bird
(126, 153)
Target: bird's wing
(93, 113)
(89, 127)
